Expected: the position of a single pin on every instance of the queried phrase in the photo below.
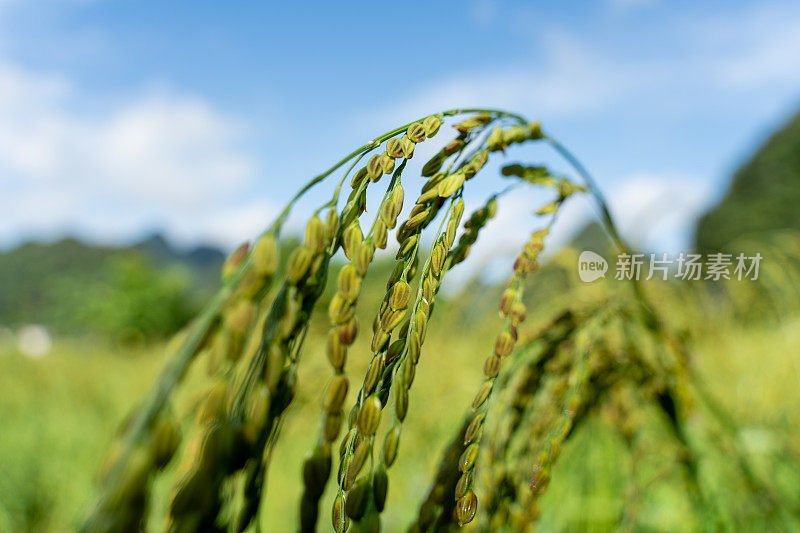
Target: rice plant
(609, 357)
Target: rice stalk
(533, 396)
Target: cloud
(172, 150)
(658, 211)
(159, 156)
(226, 225)
(566, 74)
(570, 80)
(654, 212)
(168, 158)
(758, 49)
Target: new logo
(591, 266)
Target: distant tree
(140, 301)
(145, 291)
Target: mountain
(764, 194)
(593, 237)
(204, 261)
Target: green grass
(58, 415)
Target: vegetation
(763, 196)
(599, 354)
(603, 406)
(144, 292)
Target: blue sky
(120, 118)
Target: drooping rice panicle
(577, 366)
(359, 443)
(440, 185)
(512, 308)
(343, 332)
(384, 364)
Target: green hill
(764, 194)
(149, 289)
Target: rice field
(313, 393)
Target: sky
(199, 119)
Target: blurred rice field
(59, 413)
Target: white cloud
(657, 211)
(167, 158)
(172, 149)
(567, 74)
(653, 211)
(159, 156)
(571, 80)
(758, 49)
(226, 225)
